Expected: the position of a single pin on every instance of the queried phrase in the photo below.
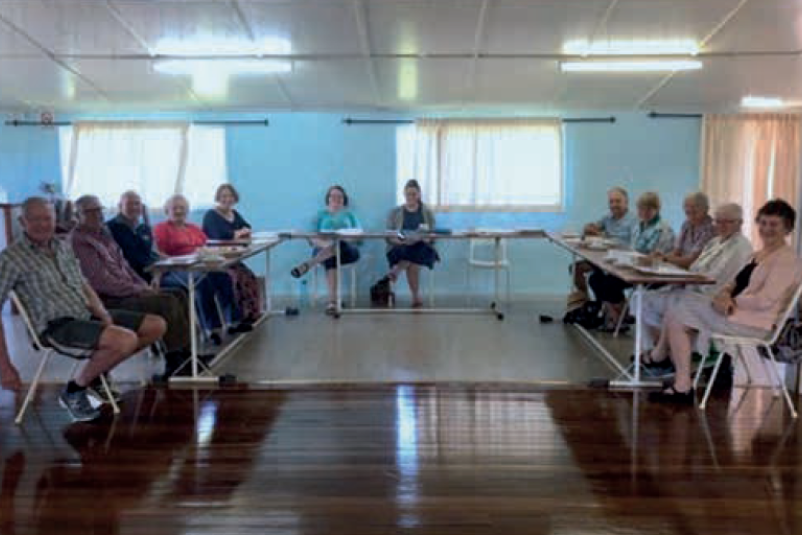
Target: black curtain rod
(655, 115)
(244, 122)
(350, 121)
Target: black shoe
(670, 395)
(96, 390)
(243, 327)
(216, 339)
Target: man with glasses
(64, 309)
(119, 286)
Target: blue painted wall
(283, 171)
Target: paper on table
(350, 231)
(664, 270)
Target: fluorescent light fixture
(626, 65)
(752, 101)
(223, 67)
(217, 46)
(676, 47)
(408, 81)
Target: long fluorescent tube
(624, 65)
(677, 47)
(752, 101)
(200, 45)
(223, 66)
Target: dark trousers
(169, 303)
(211, 285)
(608, 288)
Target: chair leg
(701, 368)
(781, 384)
(711, 381)
(314, 286)
(620, 322)
(509, 287)
(353, 287)
(33, 387)
(431, 288)
(769, 375)
(114, 407)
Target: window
(483, 165)
(155, 159)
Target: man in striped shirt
(64, 309)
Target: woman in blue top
(336, 216)
(223, 222)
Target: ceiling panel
(430, 82)
(12, 44)
(423, 26)
(133, 82)
(604, 91)
(764, 25)
(724, 81)
(340, 83)
(665, 19)
(70, 26)
(44, 84)
(519, 26)
(523, 82)
(159, 22)
(311, 27)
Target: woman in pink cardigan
(748, 306)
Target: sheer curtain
(750, 159)
(156, 159)
(485, 164)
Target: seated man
(618, 225)
(134, 237)
(696, 232)
(119, 286)
(66, 311)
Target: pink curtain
(749, 159)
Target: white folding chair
(348, 271)
(488, 260)
(737, 343)
(47, 352)
(429, 287)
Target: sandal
(300, 270)
(417, 304)
(331, 309)
(672, 395)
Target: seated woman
(696, 231)
(749, 305)
(720, 260)
(177, 237)
(650, 235)
(225, 223)
(336, 216)
(409, 254)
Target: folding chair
(482, 255)
(47, 352)
(737, 343)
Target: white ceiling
(97, 55)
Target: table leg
(338, 277)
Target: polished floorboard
(435, 459)
(314, 348)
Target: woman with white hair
(696, 231)
(720, 260)
(178, 237)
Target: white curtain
(749, 159)
(485, 164)
(156, 159)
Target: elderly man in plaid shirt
(64, 309)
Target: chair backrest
(26, 318)
(478, 246)
(790, 307)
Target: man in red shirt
(119, 286)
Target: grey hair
(172, 199)
(83, 200)
(619, 189)
(31, 202)
(699, 199)
(732, 210)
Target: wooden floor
(383, 460)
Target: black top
(217, 227)
(742, 278)
(413, 220)
(135, 242)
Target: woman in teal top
(336, 216)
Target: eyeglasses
(720, 221)
(95, 210)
